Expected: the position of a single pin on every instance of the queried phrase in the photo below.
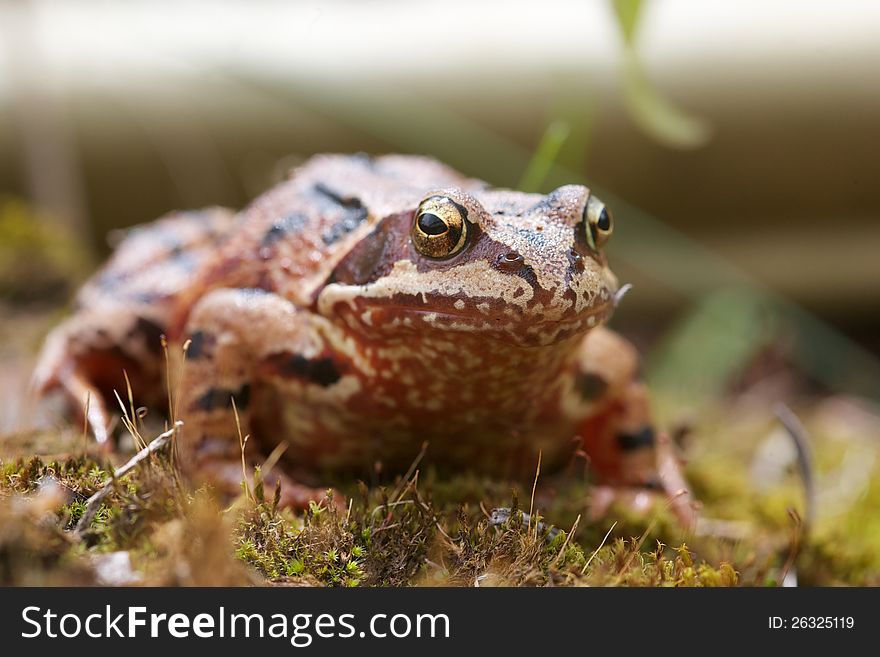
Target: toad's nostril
(510, 261)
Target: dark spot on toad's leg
(629, 442)
(218, 398)
(201, 345)
(321, 371)
(212, 399)
(243, 396)
(590, 386)
(150, 332)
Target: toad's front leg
(228, 330)
(634, 464)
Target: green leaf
(655, 115)
(719, 336)
(545, 155)
(627, 12)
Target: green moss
(434, 529)
(79, 475)
(375, 542)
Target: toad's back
(291, 238)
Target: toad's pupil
(431, 224)
(604, 222)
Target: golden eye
(599, 223)
(440, 228)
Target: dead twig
(94, 502)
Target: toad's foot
(58, 370)
(667, 489)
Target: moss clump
(375, 542)
(135, 507)
(397, 534)
(147, 496)
(321, 548)
(79, 475)
(624, 563)
(514, 553)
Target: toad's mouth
(520, 327)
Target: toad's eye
(598, 223)
(440, 228)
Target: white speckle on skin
(470, 280)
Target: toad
(363, 307)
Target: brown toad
(367, 305)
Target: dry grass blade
(405, 482)
(275, 456)
(129, 425)
(534, 487)
(794, 548)
(85, 431)
(174, 392)
(390, 505)
(651, 525)
(172, 411)
(567, 540)
(596, 551)
(134, 416)
(242, 443)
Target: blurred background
(737, 143)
